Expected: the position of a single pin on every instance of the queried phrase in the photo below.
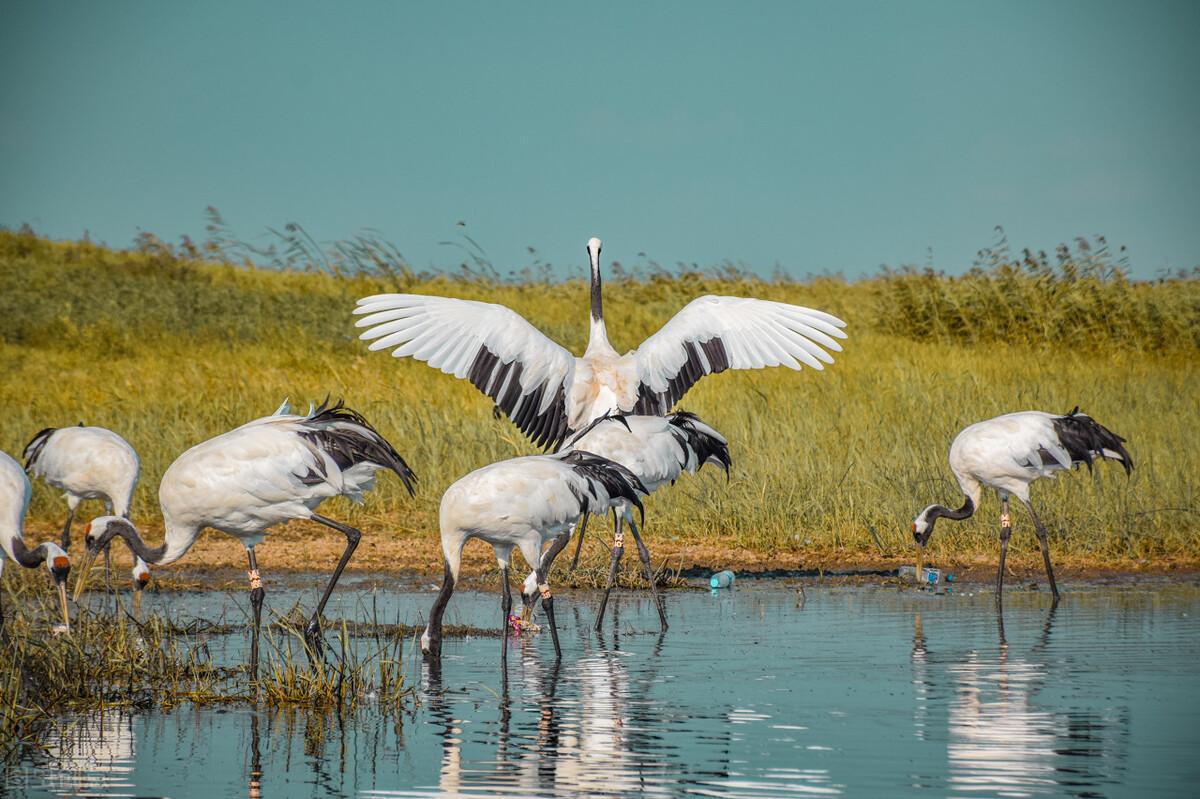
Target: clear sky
(816, 136)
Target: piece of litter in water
(59, 629)
(722, 579)
(520, 626)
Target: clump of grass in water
(108, 662)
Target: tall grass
(169, 349)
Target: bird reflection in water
(999, 737)
(579, 741)
(92, 753)
(256, 772)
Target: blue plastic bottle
(723, 579)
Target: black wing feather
(1085, 439)
(502, 382)
(34, 448)
(715, 360)
(356, 443)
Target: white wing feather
(452, 334)
(753, 334)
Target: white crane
(1008, 453)
(85, 463)
(15, 492)
(657, 450)
(268, 471)
(522, 503)
(549, 393)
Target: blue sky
(830, 136)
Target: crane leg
(433, 650)
(543, 573)
(312, 631)
(256, 601)
(1043, 540)
(506, 609)
(66, 531)
(579, 541)
(548, 605)
(648, 571)
(617, 551)
(1005, 533)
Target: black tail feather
(618, 482)
(353, 440)
(706, 445)
(34, 448)
(1085, 439)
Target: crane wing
(505, 357)
(712, 334)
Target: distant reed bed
(171, 344)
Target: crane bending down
(522, 503)
(15, 492)
(85, 463)
(657, 450)
(268, 471)
(1008, 453)
(549, 393)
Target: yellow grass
(828, 467)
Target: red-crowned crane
(266, 472)
(15, 492)
(657, 450)
(549, 393)
(523, 503)
(1008, 453)
(85, 463)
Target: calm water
(752, 693)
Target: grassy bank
(828, 467)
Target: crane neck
(967, 509)
(175, 542)
(598, 343)
(29, 558)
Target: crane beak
(62, 596)
(526, 613)
(137, 604)
(89, 557)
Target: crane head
(99, 532)
(922, 527)
(529, 596)
(58, 563)
(141, 575)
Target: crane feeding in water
(657, 450)
(523, 503)
(85, 463)
(549, 393)
(1008, 453)
(266, 472)
(15, 492)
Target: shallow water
(753, 692)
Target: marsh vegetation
(172, 344)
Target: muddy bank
(416, 560)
